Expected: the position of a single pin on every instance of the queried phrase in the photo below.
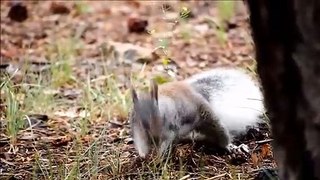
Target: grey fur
(208, 85)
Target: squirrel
(212, 106)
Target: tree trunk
(287, 39)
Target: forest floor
(66, 69)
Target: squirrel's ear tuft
(134, 95)
(154, 89)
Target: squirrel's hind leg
(212, 129)
(216, 135)
(213, 135)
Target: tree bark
(287, 38)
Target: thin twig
(218, 176)
(185, 177)
(7, 162)
(264, 141)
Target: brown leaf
(265, 151)
(58, 140)
(59, 8)
(255, 159)
(62, 140)
(87, 139)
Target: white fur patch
(239, 103)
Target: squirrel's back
(178, 100)
(234, 96)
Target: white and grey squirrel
(214, 106)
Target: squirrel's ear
(134, 95)
(154, 89)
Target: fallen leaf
(255, 159)
(59, 8)
(87, 138)
(58, 140)
(265, 151)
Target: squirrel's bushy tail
(234, 96)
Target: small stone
(202, 28)
(202, 64)
(29, 136)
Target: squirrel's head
(145, 119)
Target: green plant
(13, 114)
(62, 55)
(36, 100)
(226, 12)
(82, 7)
(117, 99)
(61, 73)
(87, 103)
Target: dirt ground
(71, 49)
